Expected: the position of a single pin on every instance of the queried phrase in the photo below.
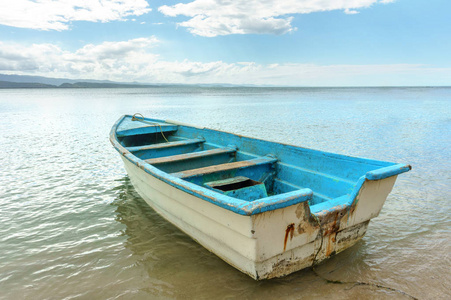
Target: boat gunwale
(261, 205)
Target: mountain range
(24, 81)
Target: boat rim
(240, 206)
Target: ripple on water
(73, 226)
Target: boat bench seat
(188, 156)
(165, 128)
(166, 145)
(265, 160)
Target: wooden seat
(166, 145)
(225, 167)
(130, 131)
(188, 156)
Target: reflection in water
(171, 259)
(73, 226)
(176, 266)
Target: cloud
(107, 60)
(58, 14)
(350, 11)
(137, 60)
(211, 18)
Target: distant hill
(46, 80)
(84, 85)
(102, 85)
(25, 81)
(23, 85)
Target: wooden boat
(266, 208)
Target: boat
(268, 209)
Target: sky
(249, 42)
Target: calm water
(73, 227)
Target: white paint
(255, 244)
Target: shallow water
(74, 228)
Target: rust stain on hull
(331, 244)
(334, 244)
(331, 221)
(288, 232)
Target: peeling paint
(342, 203)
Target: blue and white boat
(266, 208)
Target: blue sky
(271, 42)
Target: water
(72, 226)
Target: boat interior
(241, 167)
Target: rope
(135, 118)
(354, 283)
(322, 239)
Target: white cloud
(350, 11)
(112, 60)
(136, 60)
(58, 14)
(222, 17)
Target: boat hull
(268, 244)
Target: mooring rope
(134, 118)
(354, 283)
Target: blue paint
(198, 159)
(250, 193)
(387, 172)
(294, 174)
(337, 203)
(239, 187)
(146, 130)
(173, 148)
(174, 144)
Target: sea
(73, 227)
